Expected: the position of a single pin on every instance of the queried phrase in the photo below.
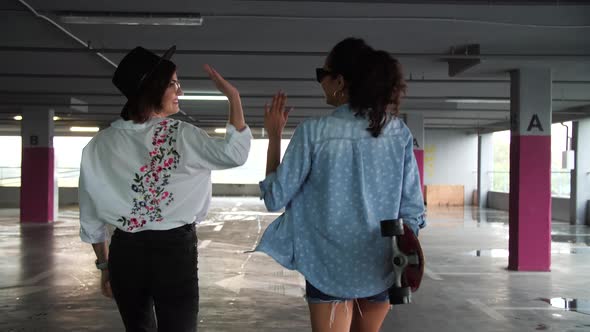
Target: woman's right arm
(236, 113)
(412, 202)
(92, 229)
(219, 153)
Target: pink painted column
(415, 122)
(530, 170)
(38, 199)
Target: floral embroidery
(153, 177)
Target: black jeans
(155, 273)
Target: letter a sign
(535, 123)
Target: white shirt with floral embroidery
(152, 176)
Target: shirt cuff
(230, 131)
(416, 223)
(99, 235)
(266, 183)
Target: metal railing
(66, 176)
(560, 182)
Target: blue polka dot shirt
(336, 183)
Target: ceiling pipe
(88, 47)
(395, 18)
(68, 33)
(446, 56)
(281, 79)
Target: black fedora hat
(137, 67)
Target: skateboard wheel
(392, 227)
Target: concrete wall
(10, 196)
(580, 180)
(560, 208)
(498, 201)
(223, 189)
(450, 157)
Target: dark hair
(374, 80)
(149, 98)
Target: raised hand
(221, 84)
(275, 115)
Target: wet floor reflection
(577, 305)
(485, 216)
(489, 253)
(556, 248)
(578, 239)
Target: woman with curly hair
(340, 176)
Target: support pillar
(415, 121)
(485, 167)
(580, 175)
(38, 199)
(530, 170)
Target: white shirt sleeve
(203, 151)
(92, 230)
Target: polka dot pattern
(337, 183)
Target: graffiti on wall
(429, 158)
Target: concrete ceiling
(262, 46)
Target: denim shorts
(315, 296)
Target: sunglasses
(321, 73)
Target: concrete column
(415, 122)
(530, 170)
(38, 199)
(485, 166)
(580, 180)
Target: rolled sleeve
(201, 150)
(278, 188)
(240, 141)
(266, 194)
(92, 230)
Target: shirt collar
(122, 124)
(342, 110)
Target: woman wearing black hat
(149, 176)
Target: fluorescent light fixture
(20, 117)
(478, 101)
(84, 129)
(131, 18)
(202, 97)
(220, 130)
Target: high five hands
(221, 84)
(275, 115)
(236, 113)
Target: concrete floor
(48, 281)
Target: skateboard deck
(410, 245)
(407, 258)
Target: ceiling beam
(496, 56)
(279, 79)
